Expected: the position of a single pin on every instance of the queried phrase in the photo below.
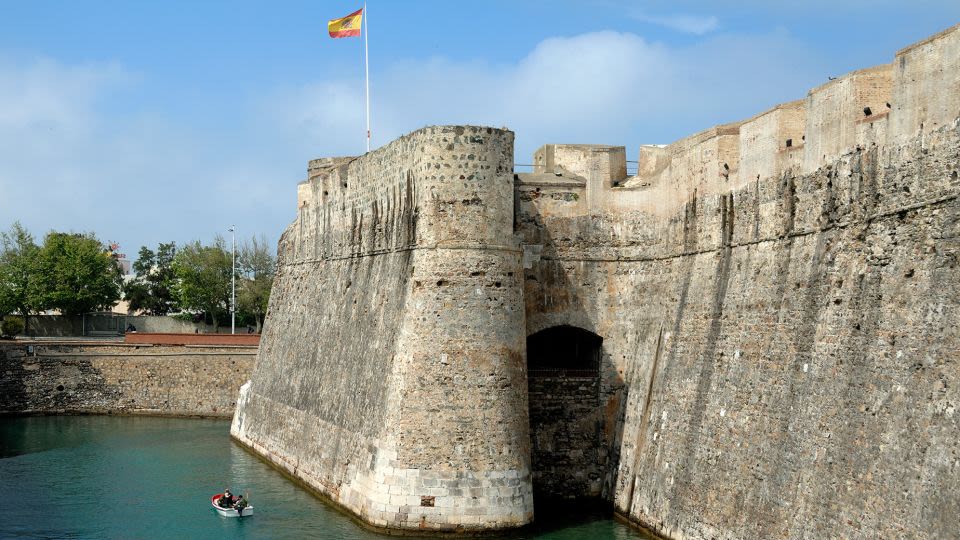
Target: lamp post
(233, 280)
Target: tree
(18, 259)
(75, 274)
(203, 278)
(257, 269)
(152, 290)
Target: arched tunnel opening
(567, 448)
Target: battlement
(405, 194)
(926, 88)
(834, 110)
(885, 105)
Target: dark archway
(565, 413)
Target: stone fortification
(44, 377)
(391, 366)
(755, 337)
(780, 344)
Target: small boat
(229, 512)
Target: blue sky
(147, 122)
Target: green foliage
(17, 259)
(19, 291)
(203, 278)
(75, 274)
(152, 290)
(257, 267)
(11, 326)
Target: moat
(132, 477)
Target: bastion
(755, 336)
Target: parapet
(834, 110)
(315, 167)
(885, 106)
(653, 160)
(608, 163)
(702, 161)
(926, 89)
(317, 171)
(771, 142)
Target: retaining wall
(43, 377)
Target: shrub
(11, 326)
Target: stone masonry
(89, 377)
(776, 301)
(391, 372)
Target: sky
(148, 122)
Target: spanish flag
(348, 26)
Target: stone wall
(61, 326)
(564, 433)
(833, 112)
(926, 87)
(770, 143)
(391, 363)
(114, 378)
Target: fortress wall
(805, 384)
(779, 353)
(388, 368)
(926, 92)
(46, 377)
(872, 130)
(780, 359)
(834, 108)
(763, 142)
(704, 162)
(800, 382)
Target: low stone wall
(63, 326)
(108, 378)
(191, 339)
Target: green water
(139, 477)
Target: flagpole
(366, 64)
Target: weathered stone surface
(115, 378)
(391, 364)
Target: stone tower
(392, 364)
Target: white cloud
(602, 87)
(690, 24)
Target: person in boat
(240, 504)
(226, 500)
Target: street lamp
(233, 280)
